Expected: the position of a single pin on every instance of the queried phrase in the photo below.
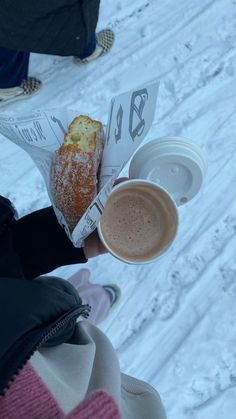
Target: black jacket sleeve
(7, 213)
(35, 313)
(42, 245)
(10, 265)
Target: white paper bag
(41, 133)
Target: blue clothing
(89, 49)
(13, 67)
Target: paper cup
(125, 236)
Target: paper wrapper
(41, 132)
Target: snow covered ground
(175, 326)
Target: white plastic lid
(175, 163)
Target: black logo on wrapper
(59, 123)
(136, 120)
(119, 118)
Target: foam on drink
(136, 223)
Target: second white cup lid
(175, 163)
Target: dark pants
(14, 65)
(89, 48)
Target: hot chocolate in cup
(139, 222)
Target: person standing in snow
(57, 27)
(53, 364)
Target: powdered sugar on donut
(74, 179)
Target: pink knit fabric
(29, 398)
(98, 405)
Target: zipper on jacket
(82, 310)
